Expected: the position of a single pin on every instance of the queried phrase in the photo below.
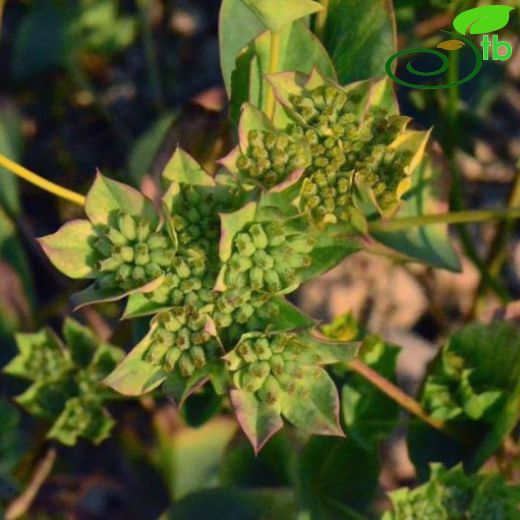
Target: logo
(479, 20)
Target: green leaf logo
(484, 19)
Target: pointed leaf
(326, 350)
(274, 18)
(108, 197)
(316, 410)
(135, 377)
(80, 341)
(251, 119)
(483, 19)
(183, 168)
(69, 249)
(259, 420)
(359, 35)
(231, 224)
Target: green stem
(456, 195)
(321, 19)
(396, 394)
(154, 75)
(2, 6)
(274, 63)
(457, 217)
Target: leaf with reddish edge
(230, 160)
(316, 410)
(107, 197)
(231, 224)
(134, 376)
(69, 249)
(259, 420)
(138, 305)
(93, 294)
(183, 168)
(251, 119)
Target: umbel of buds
(243, 307)
(347, 149)
(187, 282)
(266, 365)
(267, 258)
(271, 157)
(131, 253)
(182, 341)
(196, 217)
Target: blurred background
(116, 86)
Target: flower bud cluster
(271, 157)
(181, 341)
(243, 307)
(266, 365)
(132, 253)
(346, 148)
(266, 257)
(189, 281)
(196, 219)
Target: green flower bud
(244, 313)
(164, 337)
(302, 244)
(271, 392)
(277, 364)
(161, 258)
(139, 274)
(143, 230)
(256, 276)
(222, 320)
(259, 236)
(185, 364)
(299, 261)
(272, 281)
(244, 244)
(263, 260)
(171, 359)
(141, 254)
(124, 272)
(127, 226)
(116, 237)
(126, 253)
(153, 270)
(240, 263)
(262, 349)
(275, 234)
(246, 352)
(110, 264)
(157, 241)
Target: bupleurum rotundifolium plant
(212, 265)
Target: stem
(456, 217)
(397, 395)
(497, 252)
(42, 183)
(321, 19)
(154, 75)
(22, 504)
(274, 62)
(456, 195)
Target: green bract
(66, 381)
(453, 495)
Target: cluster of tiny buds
(188, 280)
(346, 146)
(132, 254)
(196, 217)
(267, 365)
(243, 307)
(46, 361)
(181, 340)
(267, 257)
(271, 157)
(78, 418)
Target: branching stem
(42, 183)
(397, 395)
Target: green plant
(320, 171)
